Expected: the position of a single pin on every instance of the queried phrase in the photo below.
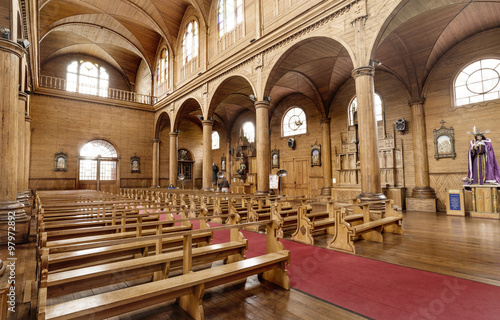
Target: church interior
(364, 112)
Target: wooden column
(27, 148)
(207, 154)
(228, 159)
(422, 187)
(263, 146)
(327, 158)
(172, 172)
(156, 162)
(21, 136)
(10, 55)
(368, 147)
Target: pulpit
(484, 200)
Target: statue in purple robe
(483, 165)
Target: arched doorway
(98, 167)
(185, 163)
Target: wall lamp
(24, 43)
(373, 62)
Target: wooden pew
(310, 224)
(159, 265)
(187, 288)
(345, 233)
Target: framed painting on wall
(444, 142)
(315, 154)
(275, 158)
(135, 164)
(61, 161)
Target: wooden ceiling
(420, 33)
(120, 32)
(124, 32)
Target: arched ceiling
(315, 67)
(419, 33)
(230, 100)
(120, 32)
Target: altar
(484, 200)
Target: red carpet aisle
(377, 289)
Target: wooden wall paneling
(68, 124)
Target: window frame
(461, 71)
(195, 45)
(218, 140)
(244, 133)
(162, 67)
(283, 122)
(350, 121)
(237, 16)
(102, 77)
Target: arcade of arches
(174, 74)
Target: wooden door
(296, 182)
(98, 174)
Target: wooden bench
(345, 233)
(187, 288)
(310, 224)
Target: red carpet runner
(377, 289)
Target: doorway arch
(98, 167)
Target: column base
(326, 191)
(14, 209)
(421, 204)
(423, 193)
(365, 197)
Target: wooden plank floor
(462, 247)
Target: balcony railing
(110, 93)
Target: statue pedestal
(421, 204)
(484, 200)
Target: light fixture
(24, 43)
(5, 32)
(374, 61)
(268, 99)
(252, 97)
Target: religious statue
(243, 166)
(483, 165)
(215, 170)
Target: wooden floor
(462, 247)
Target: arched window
(353, 110)
(215, 140)
(249, 131)
(190, 42)
(162, 68)
(294, 122)
(479, 81)
(229, 14)
(87, 78)
(98, 158)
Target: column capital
(11, 47)
(415, 102)
(207, 122)
(173, 134)
(155, 140)
(325, 120)
(27, 118)
(363, 71)
(262, 104)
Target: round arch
(98, 166)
